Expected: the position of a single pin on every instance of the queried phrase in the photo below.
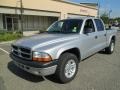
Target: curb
(7, 42)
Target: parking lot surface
(98, 72)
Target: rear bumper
(35, 68)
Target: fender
(111, 38)
(60, 51)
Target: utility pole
(21, 15)
(98, 13)
(109, 15)
(110, 11)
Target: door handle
(96, 37)
(105, 35)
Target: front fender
(60, 51)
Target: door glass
(89, 26)
(99, 25)
(12, 23)
(15, 23)
(9, 24)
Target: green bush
(8, 36)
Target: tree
(105, 18)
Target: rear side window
(89, 26)
(99, 25)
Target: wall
(53, 5)
(1, 22)
(37, 22)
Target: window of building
(10, 22)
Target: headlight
(41, 57)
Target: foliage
(105, 18)
(117, 18)
(7, 36)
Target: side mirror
(88, 30)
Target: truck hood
(42, 40)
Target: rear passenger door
(89, 38)
(101, 34)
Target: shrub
(7, 36)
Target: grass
(8, 36)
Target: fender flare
(60, 51)
(111, 38)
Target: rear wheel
(67, 68)
(111, 47)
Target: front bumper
(35, 68)
(37, 71)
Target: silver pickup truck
(59, 50)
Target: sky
(105, 6)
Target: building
(38, 14)
(91, 4)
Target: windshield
(66, 26)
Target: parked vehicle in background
(62, 47)
(116, 24)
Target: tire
(67, 68)
(110, 49)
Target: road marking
(9, 53)
(4, 51)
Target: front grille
(25, 50)
(21, 52)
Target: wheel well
(74, 51)
(113, 38)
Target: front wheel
(111, 47)
(67, 67)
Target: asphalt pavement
(98, 72)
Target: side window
(99, 25)
(89, 26)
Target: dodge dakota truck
(59, 50)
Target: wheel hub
(70, 68)
(112, 47)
